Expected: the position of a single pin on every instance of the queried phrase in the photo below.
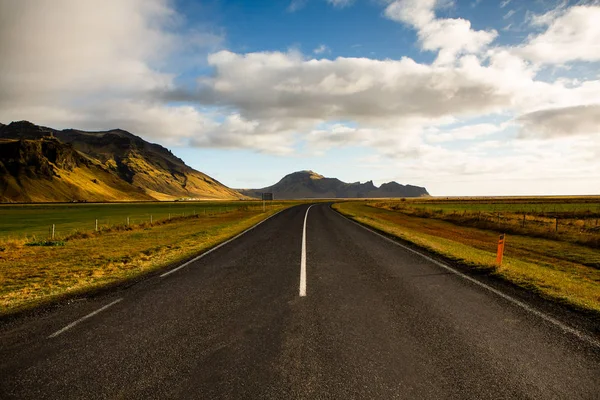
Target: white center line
(303, 257)
(72, 324)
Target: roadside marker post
(500, 253)
(267, 197)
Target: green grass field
(35, 220)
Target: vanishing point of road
(307, 305)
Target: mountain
(308, 184)
(42, 164)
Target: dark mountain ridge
(310, 185)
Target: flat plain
(20, 221)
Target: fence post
(127, 221)
(96, 224)
(52, 231)
(169, 215)
(500, 252)
(556, 228)
(150, 219)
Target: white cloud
(269, 136)
(94, 65)
(296, 5)
(451, 37)
(75, 49)
(468, 132)
(51, 74)
(321, 49)
(572, 34)
(286, 85)
(388, 100)
(340, 3)
(505, 3)
(566, 121)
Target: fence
(55, 226)
(581, 227)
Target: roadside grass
(36, 275)
(572, 219)
(561, 271)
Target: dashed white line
(303, 257)
(565, 328)
(72, 324)
(216, 247)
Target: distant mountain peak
(23, 123)
(309, 184)
(307, 172)
(24, 130)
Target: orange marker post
(500, 250)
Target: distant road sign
(268, 196)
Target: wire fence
(59, 226)
(579, 227)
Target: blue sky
(463, 97)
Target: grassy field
(573, 219)
(560, 270)
(562, 207)
(35, 220)
(35, 275)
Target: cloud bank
(64, 63)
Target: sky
(466, 98)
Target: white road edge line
(303, 257)
(72, 324)
(219, 246)
(565, 328)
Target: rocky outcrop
(120, 165)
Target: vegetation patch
(571, 219)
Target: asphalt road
(377, 322)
